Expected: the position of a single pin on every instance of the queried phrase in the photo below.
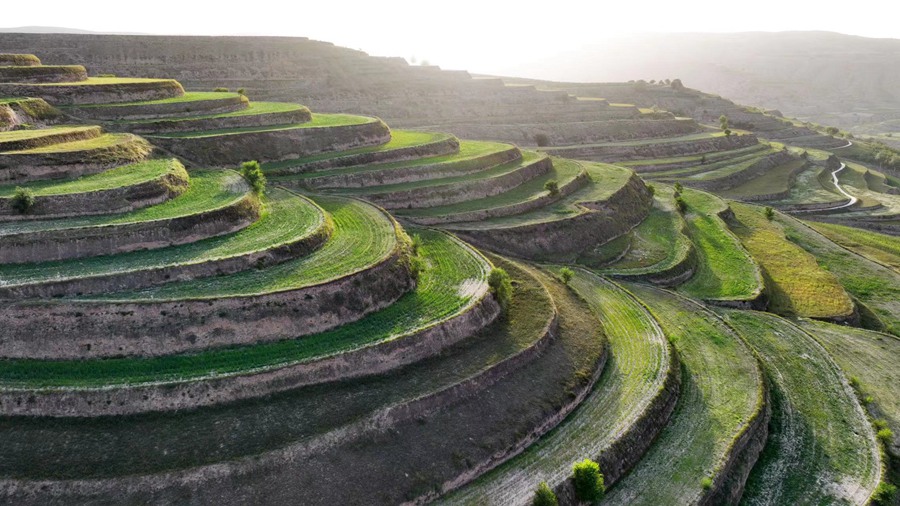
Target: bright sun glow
(479, 36)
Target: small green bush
(552, 186)
(501, 286)
(727, 132)
(588, 481)
(706, 483)
(416, 243)
(542, 140)
(23, 200)
(770, 213)
(544, 496)
(680, 204)
(678, 189)
(651, 189)
(242, 92)
(416, 266)
(884, 494)
(253, 173)
(703, 160)
(221, 90)
(885, 435)
(565, 274)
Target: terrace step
(29, 139)
(614, 202)
(450, 303)
(97, 90)
(471, 157)
(452, 190)
(644, 167)
(404, 145)
(25, 113)
(191, 102)
(263, 436)
(22, 60)
(570, 177)
(76, 158)
(230, 147)
(362, 268)
(630, 404)
(289, 227)
(215, 203)
(32, 74)
(118, 190)
(720, 426)
(257, 114)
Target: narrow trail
(837, 184)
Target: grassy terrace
(285, 218)
(633, 375)
(107, 81)
(605, 179)
(721, 391)
(126, 175)
(710, 157)
(363, 236)
(528, 158)
(318, 121)
(657, 244)
(821, 449)
(400, 139)
(208, 190)
(105, 141)
(813, 185)
(725, 270)
(776, 179)
(189, 96)
(471, 155)
(654, 140)
(453, 281)
(253, 109)
(872, 359)
(796, 283)
(744, 158)
(876, 286)
(854, 181)
(725, 172)
(880, 248)
(156, 442)
(34, 135)
(563, 172)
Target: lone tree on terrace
(253, 173)
(552, 186)
(588, 481)
(501, 286)
(544, 496)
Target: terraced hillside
(213, 300)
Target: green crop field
(127, 175)
(870, 359)
(318, 121)
(363, 236)
(127, 142)
(725, 270)
(108, 81)
(721, 392)
(23, 135)
(710, 157)
(821, 449)
(874, 285)
(796, 283)
(253, 109)
(740, 158)
(189, 96)
(208, 190)
(633, 376)
(285, 219)
(881, 248)
(774, 180)
(449, 285)
(399, 139)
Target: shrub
(501, 286)
(242, 92)
(706, 483)
(542, 140)
(703, 160)
(651, 189)
(678, 188)
(565, 274)
(884, 494)
(416, 243)
(416, 266)
(832, 130)
(552, 186)
(588, 481)
(253, 173)
(680, 204)
(723, 122)
(769, 212)
(544, 496)
(221, 89)
(885, 435)
(727, 132)
(23, 200)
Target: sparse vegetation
(552, 187)
(544, 496)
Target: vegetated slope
(875, 286)
(632, 382)
(797, 285)
(821, 447)
(725, 271)
(722, 397)
(880, 248)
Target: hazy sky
(481, 36)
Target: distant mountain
(830, 78)
(57, 29)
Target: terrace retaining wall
(61, 94)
